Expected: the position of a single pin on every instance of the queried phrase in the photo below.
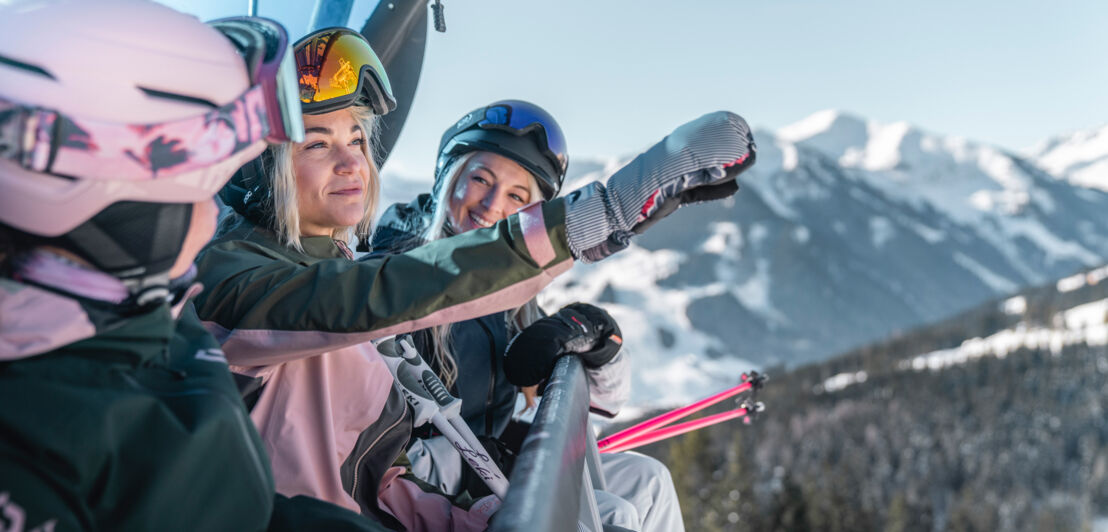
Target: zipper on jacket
(492, 378)
(358, 462)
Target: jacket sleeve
(265, 310)
(609, 385)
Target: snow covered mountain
(992, 419)
(845, 231)
(1081, 158)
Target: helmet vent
(25, 66)
(154, 93)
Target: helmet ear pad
(250, 190)
(130, 239)
(521, 149)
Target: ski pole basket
(551, 488)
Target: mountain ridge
(988, 420)
(846, 231)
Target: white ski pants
(643, 484)
(640, 494)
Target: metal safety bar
(330, 13)
(551, 486)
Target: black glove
(580, 329)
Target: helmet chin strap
(149, 290)
(60, 271)
(137, 243)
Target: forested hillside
(992, 420)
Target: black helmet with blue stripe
(518, 130)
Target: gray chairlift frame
(558, 465)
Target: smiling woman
(488, 188)
(295, 314)
(328, 184)
(493, 162)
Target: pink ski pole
(682, 428)
(673, 415)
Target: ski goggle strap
(264, 45)
(337, 69)
(47, 141)
(520, 118)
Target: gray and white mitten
(697, 162)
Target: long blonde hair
(286, 211)
(440, 227)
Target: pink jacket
(299, 324)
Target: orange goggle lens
(332, 64)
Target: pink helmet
(113, 103)
(111, 62)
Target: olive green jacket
(300, 325)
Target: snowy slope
(1081, 157)
(1084, 324)
(845, 231)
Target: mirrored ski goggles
(337, 69)
(521, 118)
(47, 141)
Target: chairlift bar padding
(546, 484)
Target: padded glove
(697, 162)
(581, 329)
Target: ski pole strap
(751, 381)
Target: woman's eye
(517, 198)
(481, 180)
(314, 145)
(358, 141)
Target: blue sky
(620, 74)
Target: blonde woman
(484, 175)
(295, 314)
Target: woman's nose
(492, 201)
(348, 161)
